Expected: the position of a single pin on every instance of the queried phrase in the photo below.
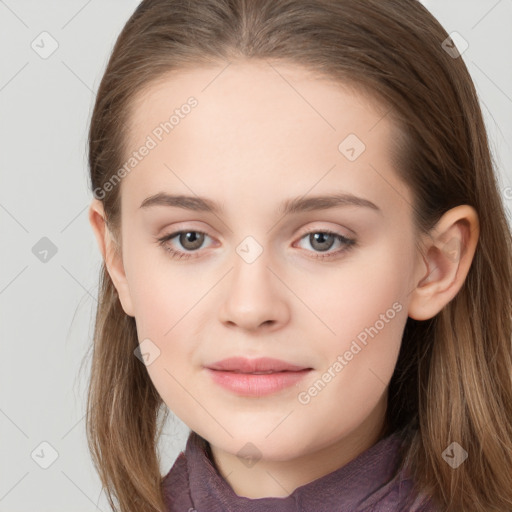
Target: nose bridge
(252, 296)
(251, 264)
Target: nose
(254, 296)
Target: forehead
(255, 125)
(266, 92)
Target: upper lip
(262, 364)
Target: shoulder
(175, 486)
(398, 495)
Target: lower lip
(247, 384)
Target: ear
(111, 252)
(448, 253)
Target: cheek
(366, 311)
(162, 316)
(163, 292)
(358, 291)
(166, 301)
(166, 313)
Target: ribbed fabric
(372, 482)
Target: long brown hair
(453, 378)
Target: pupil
(321, 238)
(191, 237)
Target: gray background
(47, 308)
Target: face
(323, 286)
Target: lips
(256, 377)
(262, 365)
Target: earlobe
(111, 253)
(448, 254)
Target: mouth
(259, 366)
(257, 373)
(257, 377)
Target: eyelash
(349, 244)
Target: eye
(191, 240)
(320, 240)
(323, 240)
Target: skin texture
(259, 135)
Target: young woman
(306, 259)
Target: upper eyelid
(185, 226)
(173, 234)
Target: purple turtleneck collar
(372, 482)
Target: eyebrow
(289, 206)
